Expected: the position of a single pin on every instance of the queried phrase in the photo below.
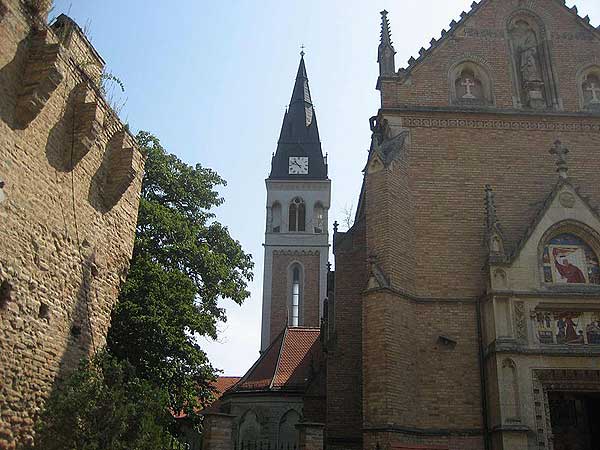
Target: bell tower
(296, 236)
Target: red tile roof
(224, 383)
(221, 384)
(289, 363)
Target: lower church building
(464, 310)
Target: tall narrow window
(276, 217)
(319, 218)
(297, 216)
(295, 313)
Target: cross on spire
(595, 91)
(302, 53)
(561, 152)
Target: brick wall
(424, 217)
(282, 285)
(344, 357)
(483, 36)
(66, 244)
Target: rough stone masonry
(70, 178)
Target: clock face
(298, 165)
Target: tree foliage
(183, 262)
(103, 405)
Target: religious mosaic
(568, 327)
(569, 260)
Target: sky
(212, 79)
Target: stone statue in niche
(591, 91)
(469, 88)
(528, 62)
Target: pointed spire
(561, 151)
(299, 132)
(386, 52)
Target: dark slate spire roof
(299, 134)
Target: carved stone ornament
(567, 200)
(385, 147)
(520, 322)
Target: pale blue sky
(212, 78)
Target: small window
(297, 216)
(295, 313)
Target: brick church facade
(466, 328)
(464, 311)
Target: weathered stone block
(87, 119)
(42, 76)
(119, 168)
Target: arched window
(276, 218)
(568, 259)
(287, 437)
(296, 296)
(319, 218)
(470, 84)
(297, 216)
(589, 88)
(249, 430)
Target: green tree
(183, 262)
(103, 405)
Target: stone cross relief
(468, 84)
(595, 91)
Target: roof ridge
(262, 356)
(303, 328)
(285, 331)
(464, 15)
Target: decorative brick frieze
(499, 124)
(42, 75)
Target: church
(463, 311)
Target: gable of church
(505, 54)
(559, 250)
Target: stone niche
(533, 78)
(589, 89)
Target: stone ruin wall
(70, 178)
